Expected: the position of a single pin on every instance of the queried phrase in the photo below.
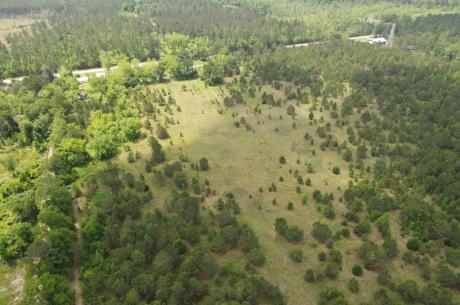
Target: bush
(353, 285)
(345, 232)
(413, 244)
(384, 277)
(332, 296)
(408, 290)
(131, 158)
(310, 276)
(162, 132)
(321, 232)
(329, 213)
(322, 256)
(294, 234)
(282, 160)
(336, 170)
(204, 164)
(362, 228)
(357, 270)
(296, 255)
(332, 270)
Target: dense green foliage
(395, 109)
(436, 34)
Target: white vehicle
(82, 79)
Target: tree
(413, 244)
(361, 152)
(281, 226)
(9, 162)
(353, 285)
(110, 58)
(336, 170)
(50, 193)
(177, 56)
(384, 277)
(108, 130)
(383, 224)
(204, 164)
(433, 294)
(390, 246)
(49, 289)
(158, 155)
(310, 276)
(14, 240)
(162, 132)
(332, 270)
(70, 153)
(321, 232)
(332, 296)
(357, 270)
(371, 254)
(181, 180)
(363, 228)
(296, 255)
(347, 154)
(213, 72)
(291, 110)
(408, 290)
(58, 128)
(292, 234)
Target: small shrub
(353, 285)
(357, 270)
(413, 244)
(296, 255)
(310, 276)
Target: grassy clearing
(243, 161)
(25, 158)
(11, 284)
(14, 25)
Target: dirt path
(75, 281)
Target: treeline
(22, 7)
(75, 38)
(435, 34)
(237, 28)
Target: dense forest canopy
(205, 162)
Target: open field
(14, 25)
(243, 161)
(11, 285)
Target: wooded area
(227, 168)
